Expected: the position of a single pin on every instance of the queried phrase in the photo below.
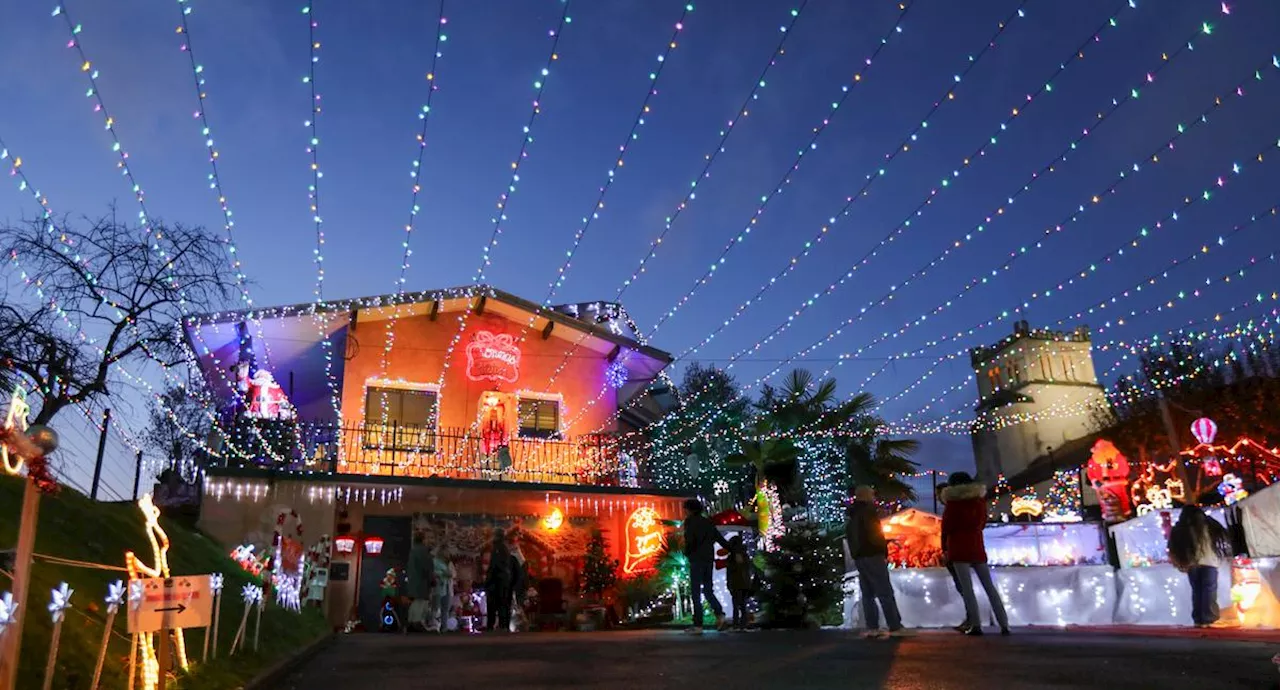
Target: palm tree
(803, 408)
(764, 451)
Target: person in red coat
(963, 518)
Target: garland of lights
(905, 145)
(984, 278)
(811, 145)
(486, 259)
(1144, 232)
(1116, 103)
(215, 180)
(86, 67)
(710, 158)
(633, 134)
(1131, 94)
(389, 336)
(313, 198)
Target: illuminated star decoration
(135, 594)
(115, 596)
(251, 594)
(61, 602)
(721, 487)
(215, 582)
(8, 611)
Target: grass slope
(73, 527)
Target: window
(994, 375)
(400, 418)
(1046, 373)
(1012, 367)
(539, 418)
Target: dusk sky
(371, 74)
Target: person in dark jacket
(739, 576)
(700, 539)
(870, 554)
(963, 518)
(497, 584)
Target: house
(448, 413)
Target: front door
(395, 533)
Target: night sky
(371, 74)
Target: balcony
(394, 450)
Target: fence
(415, 451)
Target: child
(1198, 546)
(739, 573)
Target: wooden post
(935, 490)
(102, 447)
(21, 583)
(162, 638)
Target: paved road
(814, 659)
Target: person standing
(963, 518)
(870, 554)
(700, 539)
(419, 575)
(446, 574)
(739, 575)
(497, 585)
(1198, 546)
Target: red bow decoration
(37, 464)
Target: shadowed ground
(810, 659)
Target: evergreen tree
(599, 572)
(692, 440)
(802, 578)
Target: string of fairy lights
(912, 136)
(1107, 306)
(846, 91)
(633, 134)
(1202, 28)
(1069, 150)
(1187, 201)
(215, 180)
(500, 217)
(415, 173)
(743, 111)
(312, 125)
(157, 244)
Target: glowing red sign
(493, 357)
(645, 539)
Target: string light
(1129, 95)
(709, 158)
(811, 145)
(945, 183)
(486, 258)
(415, 173)
(313, 197)
(1022, 251)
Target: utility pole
(102, 447)
(137, 476)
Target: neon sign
(645, 539)
(1027, 505)
(493, 357)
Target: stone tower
(1037, 389)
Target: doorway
(396, 534)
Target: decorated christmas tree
(599, 572)
(802, 578)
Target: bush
(802, 578)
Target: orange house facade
(447, 414)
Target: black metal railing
(416, 451)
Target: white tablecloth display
(1056, 595)
(1260, 514)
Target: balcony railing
(413, 451)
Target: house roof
(450, 299)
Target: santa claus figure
(1108, 474)
(493, 425)
(266, 398)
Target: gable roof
(388, 306)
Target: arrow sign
(172, 603)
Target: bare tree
(180, 422)
(124, 287)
